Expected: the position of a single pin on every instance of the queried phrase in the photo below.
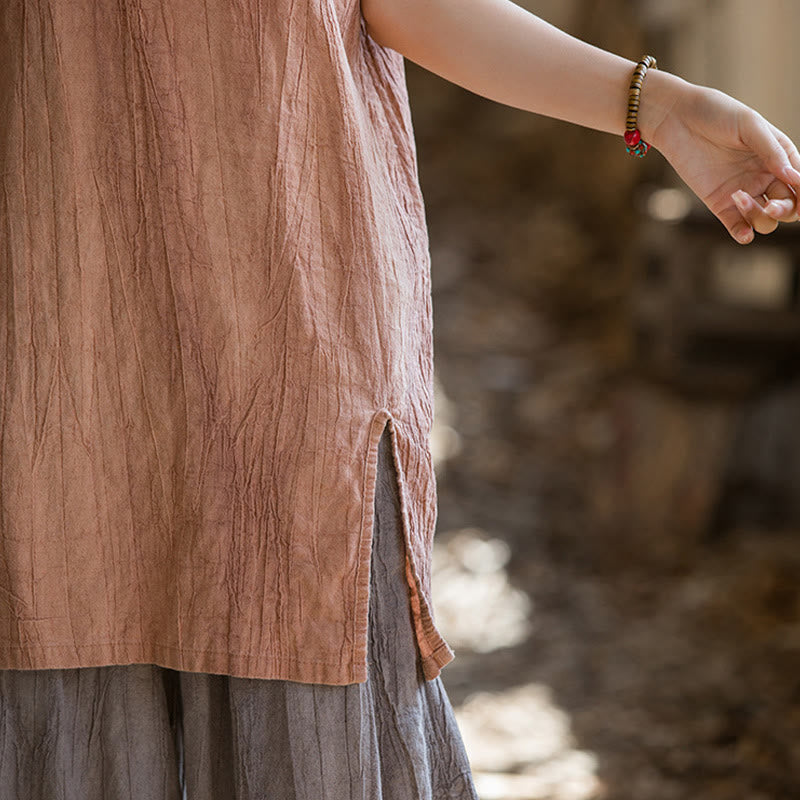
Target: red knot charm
(634, 144)
(632, 138)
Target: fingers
(755, 218)
(781, 202)
(737, 227)
(782, 210)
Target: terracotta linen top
(214, 294)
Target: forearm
(499, 50)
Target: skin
(745, 170)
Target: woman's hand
(742, 167)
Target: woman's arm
(499, 50)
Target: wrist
(660, 95)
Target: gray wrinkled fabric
(144, 732)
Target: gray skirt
(144, 732)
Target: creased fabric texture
(144, 732)
(214, 293)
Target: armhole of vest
(434, 652)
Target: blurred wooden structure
(743, 48)
(711, 315)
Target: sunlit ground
(519, 741)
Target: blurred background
(617, 559)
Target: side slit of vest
(433, 650)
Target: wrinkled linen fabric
(214, 294)
(144, 732)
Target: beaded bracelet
(633, 137)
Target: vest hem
(237, 665)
